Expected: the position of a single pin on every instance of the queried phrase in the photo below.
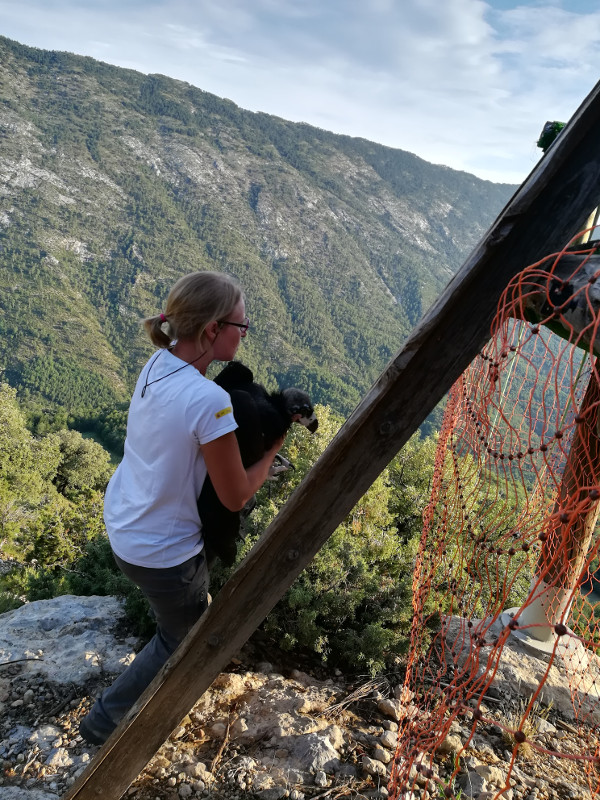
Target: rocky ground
(263, 730)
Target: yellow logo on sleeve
(223, 411)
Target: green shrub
(96, 573)
(93, 572)
(352, 605)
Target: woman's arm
(233, 484)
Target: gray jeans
(178, 597)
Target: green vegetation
(52, 536)
(352, 604)
(64, 383)
(50, 502)
(116, 183)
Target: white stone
(218, 730)
(492, 774)
(472, 784)
(543, 726)
(381, 754)
(391, 708)
(372, 767)
(59, 757)
(273, 793)
(262, 781)
(44, 736)
(314, 751)
(73, 634)
(389, 739)
(451, 744)
(197, 770)
(321, 779)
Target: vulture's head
(299, 407)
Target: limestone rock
(383, 755)
(373, 767)
(320, 779)
(59, 757)
(16, 793)
(391, 708)
(314, 751)
(389, 740)
(451, 744)
(274, 793)
(71, 637)
(472, 784)
(491, 774)
(44, 737)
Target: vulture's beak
(312, 423)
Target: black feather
(262, 418)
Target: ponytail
(154, 329)
(194, 301)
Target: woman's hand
(270, 454)
(233, 484)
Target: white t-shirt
(150, 506)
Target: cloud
(465, 83)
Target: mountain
(115, 183)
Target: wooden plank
(563, 553)
(543, 214)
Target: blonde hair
(194, 301)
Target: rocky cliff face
(115, 183)
(263, 729)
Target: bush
(96, 573)
(93, 573)
(352, 605)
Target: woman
(180, 426)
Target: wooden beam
(545, 212)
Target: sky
(464, 83)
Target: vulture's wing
(234, 376)
(249, 431)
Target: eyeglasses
(243, 326)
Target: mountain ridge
(115, 183)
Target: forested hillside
(351, 605)
(114, 183)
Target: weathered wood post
(569, 532)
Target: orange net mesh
(506, 626)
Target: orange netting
(508, 555)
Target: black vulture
(262, 418)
